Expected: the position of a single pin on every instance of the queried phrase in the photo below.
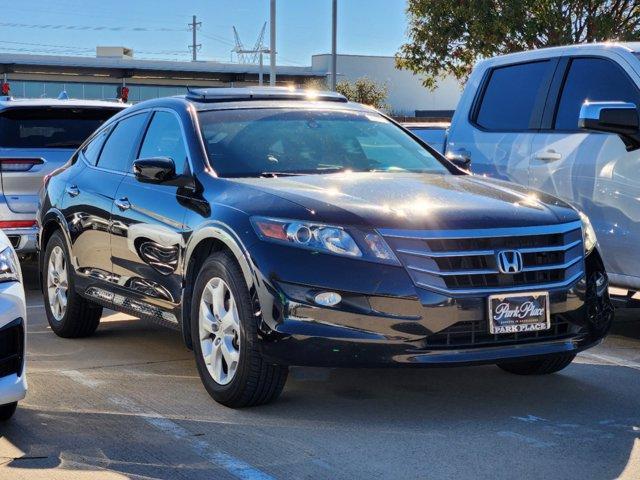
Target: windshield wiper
(280, 174)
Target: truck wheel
(7, 411)
(69, 314)
(542, 366)
(225, 339)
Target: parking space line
(619, 361)
(234, 466)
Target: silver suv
(36, 137)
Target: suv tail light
(19, 164)
(17, 224)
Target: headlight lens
(9, 266)
(307, 235)
(588, 234)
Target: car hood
(415, 201)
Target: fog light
(327, 299)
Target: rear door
(34, 141)
(593, 170)
(89, 195)
(148, 238)
(496, 127)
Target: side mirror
(154, 170)
(460, 158)
(612, 117)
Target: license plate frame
(519, 325)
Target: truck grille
(466, 261)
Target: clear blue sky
(74, 27)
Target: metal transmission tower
(249, 55)
(194, 47)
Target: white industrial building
(406, 92)
(99, 77)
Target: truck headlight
(588, 234)
(9, 266)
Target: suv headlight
(9, 266)
(588, 234)
(328, 238)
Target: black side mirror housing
(154, 170)
(620, 118)
(460, 158)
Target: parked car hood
(416, 201)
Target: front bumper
(13, 383)
(425, 328)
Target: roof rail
(216, 95)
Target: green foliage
(448, 37)
(364, 90)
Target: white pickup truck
(564, 121)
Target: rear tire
(69, 315)
(543, 366)
(7, 411)
(223, 325)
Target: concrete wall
(406, 93)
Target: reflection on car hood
(414, 200)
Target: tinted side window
(92, 149)
(164, 139)
(118, 148)
(595, 79)
(510, 96)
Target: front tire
(69, 315)
(542, 366)
(7, 411)
(225, 338)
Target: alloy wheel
(57, 283)
(219, 328)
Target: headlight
(588, 234)
(9, 266)
(328, 238)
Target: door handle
(72, 190)
(123, 204)
(549, 156)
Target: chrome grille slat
(464, 261)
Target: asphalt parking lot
(127, 403)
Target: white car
(523, 118)
(13, 317)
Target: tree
(448, 37)
(363, 90)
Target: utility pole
(334, 45)
(272, 45)
(194, 45)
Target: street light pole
(334, 44)
(272, 45)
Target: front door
(148, 239)
(593, 170)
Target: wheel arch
(203, 243)
(52, 222)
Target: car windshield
(50, 127)
(264, 142)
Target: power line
(90, 27)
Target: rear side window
(50, 127)
(511, 95)
(118, 148)
(92, 149)
(164, 139)
(594, 79)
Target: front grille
(475, 333)
(465, 261)
(11, 348)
